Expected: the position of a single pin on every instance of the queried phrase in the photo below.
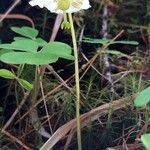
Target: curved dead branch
(84, 119)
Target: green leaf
(27, 58)
(125, 42)
(40, 41)
(145, 138)
(114, 52)
(48, 54)
(58, 49)
(26, 31)
(17, 38)
(3, 51)
(96, 41)
(22, 45)
(7, 74)
(25, 84)
(109, 42)
(143, 98)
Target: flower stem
(77, 82)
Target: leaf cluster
(28, 49)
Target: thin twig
(13, 138)
(15, 112)
(50, 68)
(69, 138)
(45, 105)
(17, 16)
(16, 2)
(56, 27)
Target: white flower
(69, 6)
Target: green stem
(36, 85)
(20, 70)
(77, 81)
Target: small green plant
(107, 42)
(9, 75)
(31, 50)
(28, 49)
(144, 96)
(142, 100)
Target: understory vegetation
(38, 81)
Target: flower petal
(52, 5)
(40, 3)
(85, 5)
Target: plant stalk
(34, 114)
(76, 81)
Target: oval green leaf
(3, 51)
(22, 45)
(58, 49)
(27, 58)
(48, 54)
(96, 41)
(40, 41)
(109, 42)
(25, 84)
(145, 138)
(26, 31)
(143, 98)
(125, 42)
(7, 74)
